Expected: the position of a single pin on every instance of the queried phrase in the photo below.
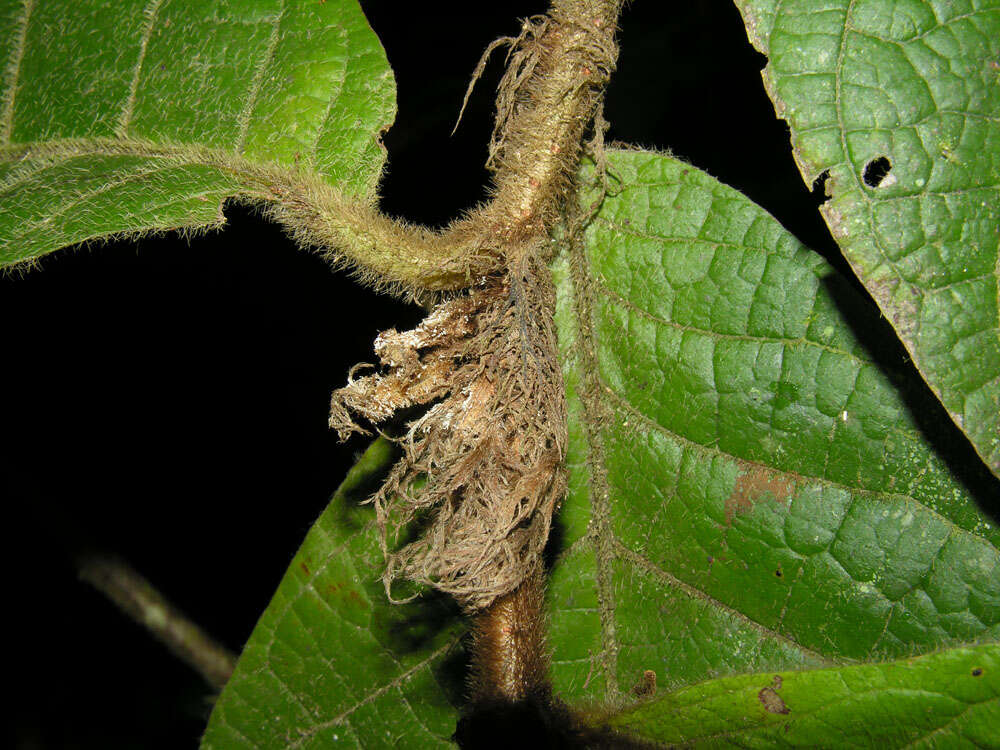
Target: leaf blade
(331, 660)
(912, 88)
(948, 698)
(799, 545)
(230, 91)
(654, 575)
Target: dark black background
(167, 399)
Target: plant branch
(136, 597)
(489, 452)
(548, 97)
(508, 655)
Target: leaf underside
(331, 661)
(146, 115)
(749, 493)
(896, 105)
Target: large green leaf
(147, 114)
(749, 489)
(332, 661)
(947, 699)
(749, 493)
(911, 86)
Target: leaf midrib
(599, 532)
(32, 227)
(44, 154)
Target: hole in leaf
(876, 171)
(819, 188)
(977, 672)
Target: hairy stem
(509, 661)
(547, 101)
(541, 135)
(548, 98)
(136, 597)
(488, 453)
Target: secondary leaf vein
(12, 73)
(623, 552)
(151, 12)
(243, 119)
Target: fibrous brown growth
(490, 448)
(482, 468)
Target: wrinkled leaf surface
(896, 106)
(750, 491)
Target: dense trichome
(482, 470)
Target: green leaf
(138, 116)
(749, 489)
(947, 699)
(332, 661)
(749, 492)
(914, 87)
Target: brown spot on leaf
(754, 485)
(901, 302)
(834, 220)
(305, 568)
(978, 671)
(646, 685)
(770, 699)
(344, 592)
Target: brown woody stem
(489, 452)
(509, 660)
(541, 135)
(547, 101)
